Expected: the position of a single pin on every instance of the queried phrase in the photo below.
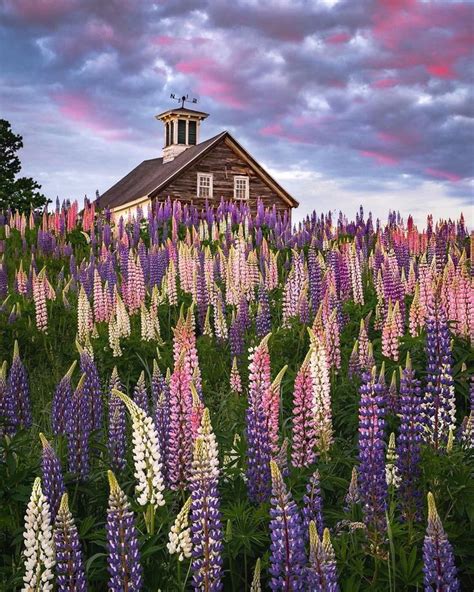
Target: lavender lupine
(439, 400)
(372, 483)
(123, 554)
(262, 319)
(140, 394)
(78, 430)
(313, 505)
(116, 437)
(440, 574)
(321, 575)
(160, 393)
(38, 538)
(61, 402)
(8, 418)
(287, 554)
(52, 477)
(18, 390)
(205, 517)
(409, 442)
(91, 389)
(70, 568)
(258, 438)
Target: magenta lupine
(271, 407)
(321, 575)
(313, 505)
(18, 390)
(439, 400)
(69, 568)
(440, 574)
(258, 438)
(61, 401)
(205, 517)
(287, 554)
(116, 438)
(52, 477)
(304, 437)
(409, 442)
(123, 554)
(372, 483)
(78, 430)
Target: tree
(16, 193)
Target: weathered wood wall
(224, 164)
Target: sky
(345, 102)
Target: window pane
(181, 131)
(192, 132)
(204, 186)
(167, 141)
(171, 132)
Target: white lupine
(147, 329)
(84, 316)
(208, 438)
(146, 455)
(39, 548)
(321, 394)
(114, 338)
(180, 534)
(392, 475)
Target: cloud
(369, 94)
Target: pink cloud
(385, 83)
(440, 174)
(276, 130)
(39, 11)
(441, 70)
(81, 110)
(379, 157)
(337, 38)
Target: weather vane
(182, 99)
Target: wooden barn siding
(224, 164)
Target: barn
(195, 172)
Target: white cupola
(181, 129)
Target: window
(167, 143)
(192, 132)
(171, 132)
(181, 131)
(204, 185)
(241, 187)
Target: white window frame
(247, 186)
(205, 176)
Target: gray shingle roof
(151, 175)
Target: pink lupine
(235, 380)
(304, 437)
(390, 333)
(363, 347)
(332, 341)
(197, 410)
(21, 280)
(271, 407)
(39, 297)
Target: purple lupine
(140, 394)
(321, 574)
(92, 389)
(160, 393)
(263, 322)
(409, 442)
(19, 390)
(69, 568)
(236, 337)
(51, 477)
(78, 430)
(287, 554)
(205, 516)
(315, 279)
(8, 418)
(440, 574)
(439, 400)
(123, 555)
(372, 482)
(257, 432)
(61, 401)
(313, 505)
(116, 440)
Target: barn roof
(151, 176)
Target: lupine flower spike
(70, 571)
(180, 534)
(256, 585)
(321, 573)
(439, 569)
(53, 483)
(123, 555)
(62, 401)
(39, 548)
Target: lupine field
(215, 400)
